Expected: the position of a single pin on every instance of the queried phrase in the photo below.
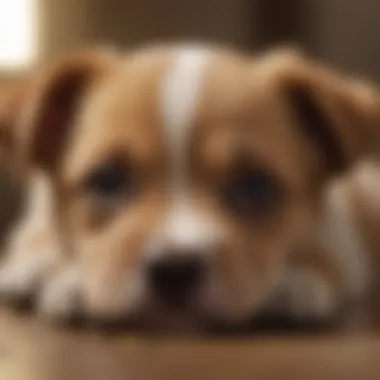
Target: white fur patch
(39, 201)
(339, 234)
(58, 298)
(180, 97)
(368, 177)
(25, 263)
(303, 294)
(181, 91)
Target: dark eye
(252, 192)
(110, 179)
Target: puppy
(183, 186)
(32, 234)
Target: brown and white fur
(184, 127)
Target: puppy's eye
(252, 192)
(108, 180)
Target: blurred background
(341, 32)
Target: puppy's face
(184, 177)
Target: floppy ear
(339, 115)
(53, 101)
(12, 96)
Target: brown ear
(53, 102)
(338, 114)
(12, 97)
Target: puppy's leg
(30, 255)
(34, 273)
(309, 290)
(59, 298)
(32, 248)
(335, 267)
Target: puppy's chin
(158, 319)
(192, 321)
(209, 312)
(187, 320)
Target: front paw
(59, 298)
(303, 295)
(26, 263)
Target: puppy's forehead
(153, 88)
(177, 83)
(181, 90)
(158, 95)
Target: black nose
(174, 279)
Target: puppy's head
(186, 175)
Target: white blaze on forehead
(180, 98)
(181, 92)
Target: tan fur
(363, 187)
(11, 97)
(242, 108)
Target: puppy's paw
(303, 295)
(30, 255)
(59, 298)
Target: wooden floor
(32, 350)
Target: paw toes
(17, 284)
(60, 296)
(304, 296)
